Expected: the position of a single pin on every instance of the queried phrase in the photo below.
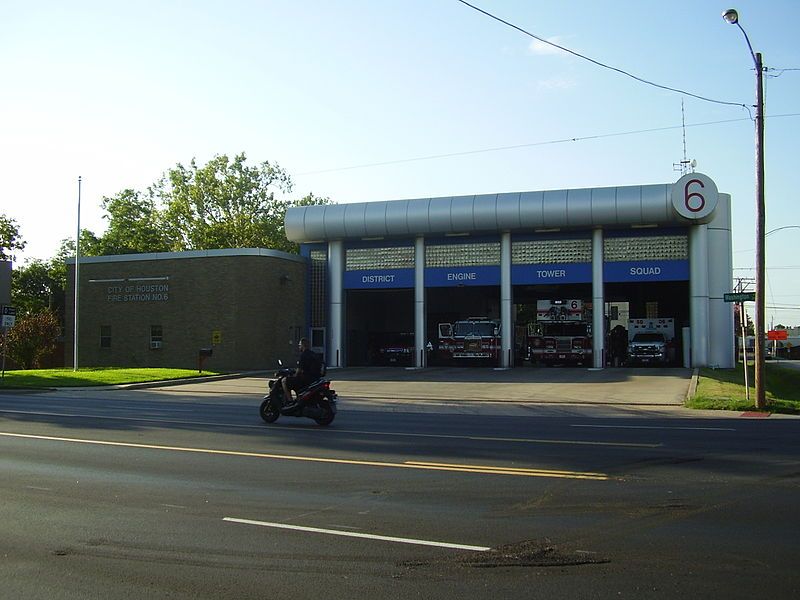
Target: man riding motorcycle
(308, 370)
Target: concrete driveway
(645, 387)
(530, 386)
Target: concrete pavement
(643, 387)
(542, 391)
(620, 392)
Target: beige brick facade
(246, 304)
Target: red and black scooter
(316, 401)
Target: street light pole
(732, 17)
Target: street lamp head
(731, 16)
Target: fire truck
(471, 338)
(562, 333)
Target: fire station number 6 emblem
(694, 196)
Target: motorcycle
(316, 401)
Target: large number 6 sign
(694, 201)
(694, 196)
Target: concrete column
(721, 349)
(506, 304)
(420, 331)
(698, 294)
(336, 263)
(598, 302)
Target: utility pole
(731, 16)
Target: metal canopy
(561, 209)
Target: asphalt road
(155, 494)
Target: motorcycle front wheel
(268, 411)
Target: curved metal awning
(518, 211)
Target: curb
(693, 385)
(138, 386)
(169, 382)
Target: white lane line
(655, 427)
(368, 536)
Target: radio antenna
(685, 165)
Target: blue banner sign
(378, 279)
(548, 274)
(455, 276)
(646, 270)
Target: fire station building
(399, 276)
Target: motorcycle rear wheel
(327, 415)
(268, 411)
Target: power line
(779, 71)
(602, 64)
(529, 145)
(768, 268)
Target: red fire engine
(471, 338)
(562, 333)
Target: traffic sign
(777, 334)
(740, 297)
(9, 316)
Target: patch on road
(528, 553)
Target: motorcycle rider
(308, 370)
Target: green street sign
(740, 297)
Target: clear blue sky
(119, 92)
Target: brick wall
(248, 305)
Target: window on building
(156, 337)
(105, 336)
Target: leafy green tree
(10, 238)
(38, 286)
(91, 245)
(135, 225)
(32, 338)
(222, 204)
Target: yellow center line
(483, 469)
(512, 470)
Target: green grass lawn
(723, 389)
(48, 378)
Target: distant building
(159, 310)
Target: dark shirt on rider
(309, 364)
(310, 370)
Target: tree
(33, 337)
(135, 225)
(222, 204)
(10, 238)
(38, 286)
(91, 245)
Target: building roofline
(219, 253)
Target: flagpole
(77, 269)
